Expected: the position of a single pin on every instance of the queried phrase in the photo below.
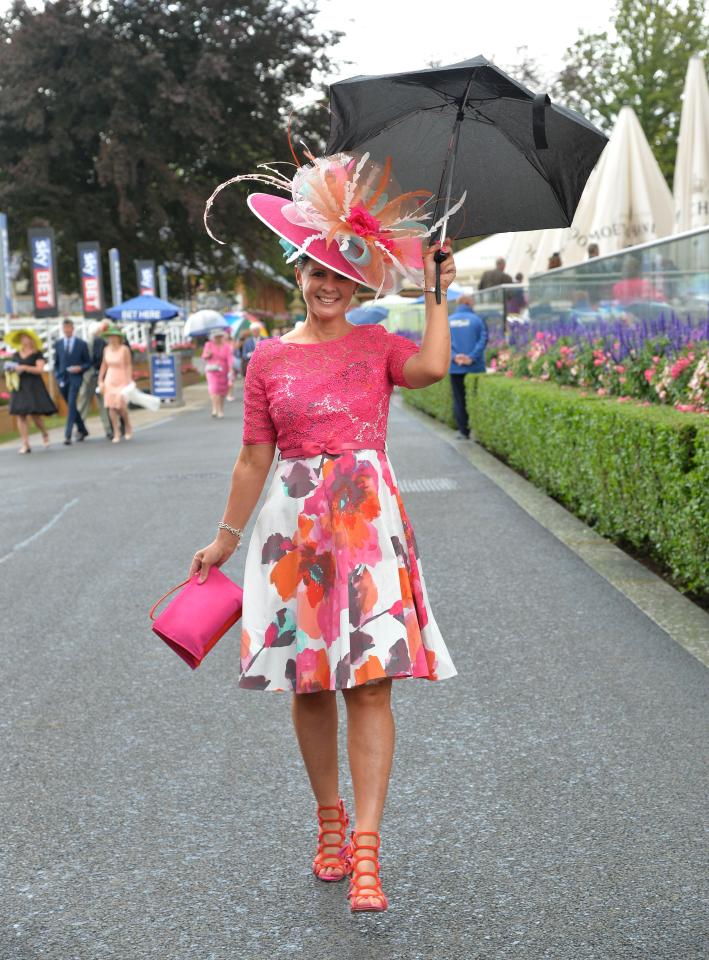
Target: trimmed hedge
(638, 475)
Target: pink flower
(539, 335)
(367, 226)
(649, 373)
(509, 373)
(624, 399)
(656, 359)
(559, 364)
(620, 368)
(598, 362)
(601, 391)
(678, 368)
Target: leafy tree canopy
(642, 64)
(119, 117)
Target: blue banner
(163, 375)
(44, 271)
(114, 269)
(162, 281)
(5, 279)
(91, 279)
(145, 273)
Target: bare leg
(315, 722)
(370, 742)
(115, 423)
(23, 427)
(126, 421)
(220, 405)
(39, 423)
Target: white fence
(50, 330)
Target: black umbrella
(469, 128)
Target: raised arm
(432, 361)
(247, 480)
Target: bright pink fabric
(311, 398)
(213, 355)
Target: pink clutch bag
(199, 615)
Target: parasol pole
(449, 168)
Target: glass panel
(654, 285)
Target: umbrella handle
(439, 256)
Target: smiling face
(26, 344)
(327, 294)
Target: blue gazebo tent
(143, 310)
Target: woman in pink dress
(334, 595)
(115, 375)
(218, 359)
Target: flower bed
(665, 362)
(638, 475)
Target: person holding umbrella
(28, 394)
(115, 374)
(334, 596)
(217, 356)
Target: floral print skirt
(333, 591)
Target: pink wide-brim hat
(269, 210)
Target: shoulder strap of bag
(156, 605)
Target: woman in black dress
(28, 396)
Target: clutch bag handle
(156, 605)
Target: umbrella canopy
(363, 315)
(627, 201)
(143, 310)
(691, 183)
(468, 127)
(202, 321)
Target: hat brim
(14, 338)
(269, 210)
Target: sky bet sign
(145, 275)
(44, 271)
(91, 279)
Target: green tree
(642, 62)
(119, 118)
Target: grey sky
(388, 36)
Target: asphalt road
(550, 802)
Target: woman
(218, 358)
(28, 396)
(334, 598)
(115, 374)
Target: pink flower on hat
(366, 225)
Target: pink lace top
(315, 397)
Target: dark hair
(301, 260)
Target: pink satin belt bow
(335, 447)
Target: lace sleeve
(258, 426)
(400, 349)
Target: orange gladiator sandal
(365, 891)
(332, 862)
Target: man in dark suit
(493, 278)
(71, 361)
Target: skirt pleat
(334, 596)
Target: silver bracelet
(429, 289)
(235, 531)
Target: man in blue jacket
(71, 361)
(468, 341)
